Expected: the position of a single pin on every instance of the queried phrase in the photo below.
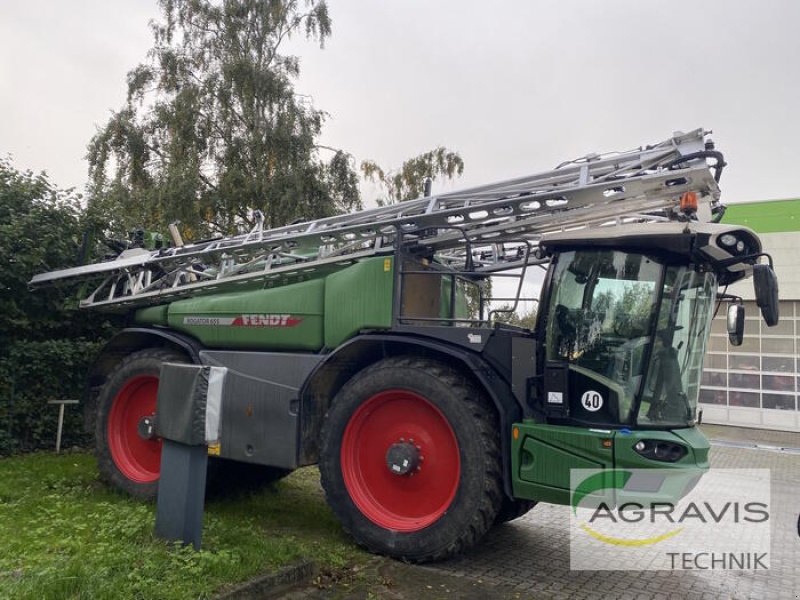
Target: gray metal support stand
(181, 493)
(187, 420)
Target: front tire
(410, 460)
(513, 509)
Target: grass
(63, 534)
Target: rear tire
(440, 427)
(132, 464)
(125, 460)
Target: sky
(515, 87)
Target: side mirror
(765, 283)
(735, 324)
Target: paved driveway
(530, 557)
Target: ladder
(491, 222)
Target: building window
(764, 372)
(709, 396)
(744, 362)
(778, 401)
(747, 381)
(779, 383)
(773, 345)
(778, 364)
(715, 378)
(746, 399)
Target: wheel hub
(146, 428)
(403, 458)
(400, 460)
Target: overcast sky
(515, 87)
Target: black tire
(223, 476)
(425, 394)
(512, 509)
(122, 461)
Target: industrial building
(757, 384)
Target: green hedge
(33, 372)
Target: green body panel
(304, 316)
(697, 442)
(358, 297)
(152, 315)
(282, 318)
(542, 456)
(691, 437)
(685, 472)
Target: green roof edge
(766, 216)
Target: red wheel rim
(137, 458)
(400, 502)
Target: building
(757, 384)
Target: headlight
(660, 450)
(735, 244)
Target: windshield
(633, 333)
(601, 314)
(670, 392)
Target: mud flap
(187, 419)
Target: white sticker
(555, 398)
(216, 385)
(474, 338)
(592, 401)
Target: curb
(271, 584)
(753, 445)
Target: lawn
(65, 535)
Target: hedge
(33, 372)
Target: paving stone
(531, 555)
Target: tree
(212, 128)
(525, 319)
(40, 230)
(407, 182)
(46, 344)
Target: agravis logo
(610, 480)
(642, 519)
